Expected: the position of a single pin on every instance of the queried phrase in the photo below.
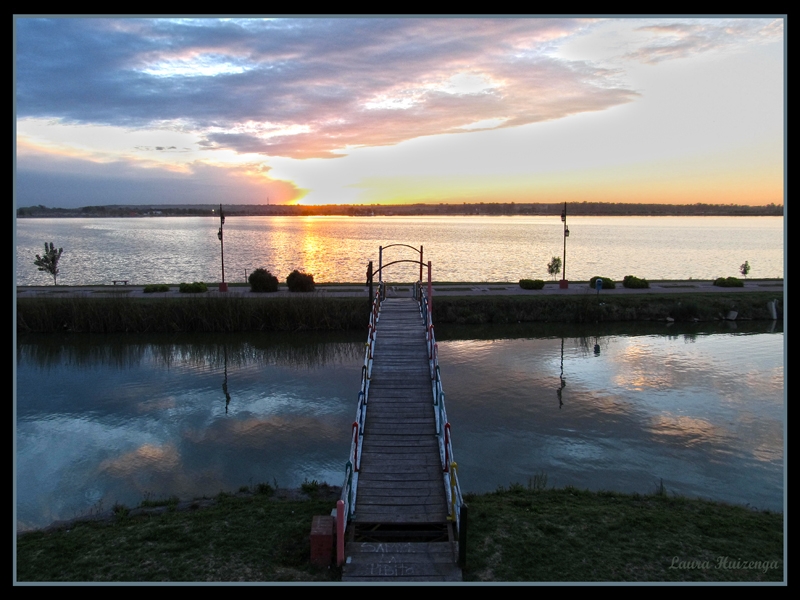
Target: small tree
(49, 262)
(745, 268)
(554, 266)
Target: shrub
(193, 288)
(310, 487)
(728, 282)
(300, 282)
(156, 287)
(262, 280)
(608, 283)
(265, 489)
(531, 284)
(634, 282)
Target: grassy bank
(519, 534)
(522, 534)
(213, 314)
(203, 314)
(592, 308)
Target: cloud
(681, 39)
(70, 182)
(306, 88)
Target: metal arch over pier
(401, 516)
(381, 265)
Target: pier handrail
(348, 497)
(455, 500)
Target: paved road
(465, 289)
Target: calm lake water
(337, 249)
(120, 418)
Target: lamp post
(564, 284)
(223, 287)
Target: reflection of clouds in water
(261, 434)
(146, 457)
(732, 366)
(700, 412)
(570, 450)
(154, 405)
(771, 451)
(57, 463)
(685, 431)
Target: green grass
(571, 535)
(239, 538)
(170, 502)
(524, 533)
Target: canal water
(109, 419)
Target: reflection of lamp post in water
(563, 284)
(563, 382)
(223, 287)
(225, 380)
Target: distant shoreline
(574, 209)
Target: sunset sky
(399, 110)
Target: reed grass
(318, 312)
(191, 314)
(592, 308)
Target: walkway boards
(400, 485)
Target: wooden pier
(400, 529)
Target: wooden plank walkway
(400, 484)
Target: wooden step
(396, 561)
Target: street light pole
(223, 287)
(564, 284)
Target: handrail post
(430, 291)
(355, 452)
(462, 536)
(340, 522)
(446, 447)
(369, 281)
